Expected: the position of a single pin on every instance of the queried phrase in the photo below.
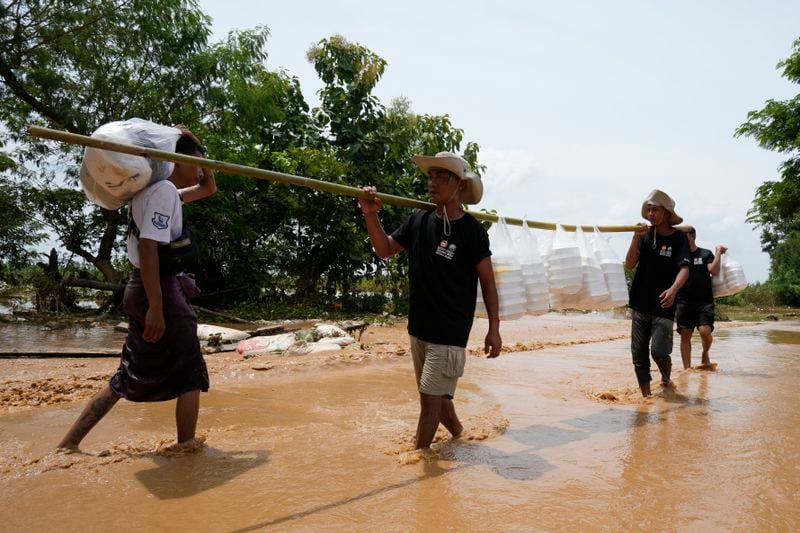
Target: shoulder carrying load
(730, 280)
(111, 179)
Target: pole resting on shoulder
(288, 179)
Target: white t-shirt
(156, 210)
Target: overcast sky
(580, 107)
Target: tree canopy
(776, 207)
(78, 64)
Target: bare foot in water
(183, 448)
(707, 365)
(668, 384)
(68, 450)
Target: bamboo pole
(289, 179)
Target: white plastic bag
(613, 271)
(563, 265)
(731, 278)
(594, 291)
(507, 276)
(534, 277)
(111, 179)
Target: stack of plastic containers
(594, 292)
(564, 270)
(613, 271)
(533, 274)
(512, 300)
(730, 280)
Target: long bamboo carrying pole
(280, 177)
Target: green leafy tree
(776, 207)
(785, 271)
(777, 127)
(77, 64)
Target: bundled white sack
(111, 179)
(613, 271)
(563, 265)
(534, 277)
(511, 296)
(223, 335)
(268, 344)
(731, 278)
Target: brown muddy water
(324, 449)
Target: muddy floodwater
(556, 439)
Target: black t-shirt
(698, 287)
(656, 271)
(442, 274)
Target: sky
(580, 108)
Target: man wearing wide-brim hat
(661, 256)
(448, 252)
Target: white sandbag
(223, 335)
(337, 341)
(305, 348)
(329, 330)
(563, 264)
(111, 179)
(267, 344)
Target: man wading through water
(448, 254)
(660, 254)
(161, 359)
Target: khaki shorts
(437, 367)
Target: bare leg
(705, 338)
(98, 407)
(186, 409)
(645, 390)
(686, 347)
(450, 419)
(429, 417)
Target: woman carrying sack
(161, 359)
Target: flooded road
(324, 449)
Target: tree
(785, 271)
(776, 207)
(77, 64)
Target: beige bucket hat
(456, 164)
(662, 199)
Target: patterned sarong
(162, 370)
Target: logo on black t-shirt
(666, 251)
(446, 250)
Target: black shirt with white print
(698, 288)
(656, 271)
(442, 274)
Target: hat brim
(472, 193)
